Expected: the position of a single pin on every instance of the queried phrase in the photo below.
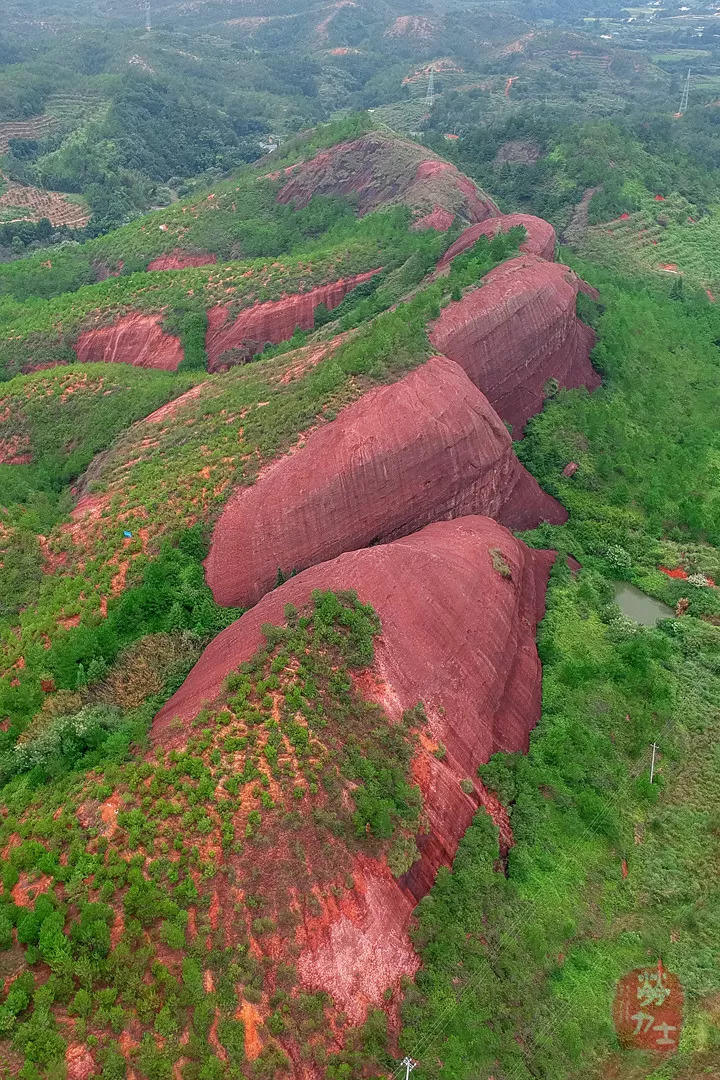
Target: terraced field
(664, 237)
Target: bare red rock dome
(540, 236)
(459, 603)
(380, 170)
(517, 331)
(133, 339)
(270, 322)
(426, 448)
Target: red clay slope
(180, 260)
(517, 331)
(424, 449)
(458, 634)
(540, 236)
(270, 322)
(134, 339)
(379, 170)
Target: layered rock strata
(427, 448)
(517, 336)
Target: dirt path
(579, 221)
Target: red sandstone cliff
(180, 260)
(133, 339)
(515, 332)
(271, 322)
(459, 602)
(540, 236)
(424, 449)
(380, 170)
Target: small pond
(638, 606)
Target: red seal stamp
(648, 1010)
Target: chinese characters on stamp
(648, 1009)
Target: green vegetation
(507, 985)
(292, 762)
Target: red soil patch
(508, 84)
(79, 1062)
(35, 884)
(252, 1021)
(438, 219)
(180, 260)
(15, 450)
(659, 198)
(710, 296)
(670, 268)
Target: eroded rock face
(427, 448)
(459, 602)
(181, 260)
(379, 171)
(133, 339)
(271, 322)
(517, 331)
(540, 236)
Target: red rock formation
(540, 236)
(516, 332)
(459, 602)
(180, 260)
(378, 170)
(424, 449)
(271, 322)
(438, 219)
(133, 339)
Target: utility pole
(652, 763)
(409, 1066)
(430, 96)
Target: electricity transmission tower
(685, 95)
(430, 96)
(148, 21)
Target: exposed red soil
(79, 1062)
(379, 171)
(540, 236)
(517, 331)
(438, 219)
(29, 887)
(427, 448)
(180, 260)
(15, 450)
(459, 602)
(271, 322)
(133, 339)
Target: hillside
(273, 663)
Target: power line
(684, 97)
